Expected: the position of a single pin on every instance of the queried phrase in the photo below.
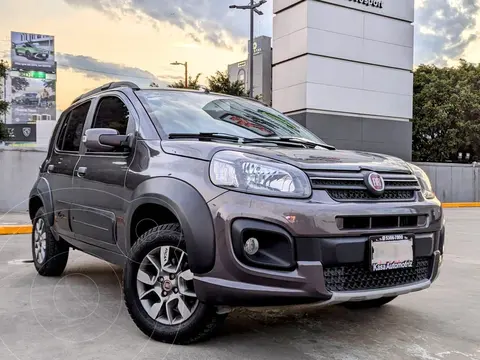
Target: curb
(15, 229)
(27, 229)
(461, 205)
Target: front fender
(42, 189)
(190, 208)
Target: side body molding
(41, 188)
(191, 210)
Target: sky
(97, 41)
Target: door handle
(50, 168)
(81, 171)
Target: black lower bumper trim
(357, 276)
(216, 292)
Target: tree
(446, 112)
(220, 83)
(3, 104)
(192, 83)
(19, 84)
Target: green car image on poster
(30, 51)
(33, 52)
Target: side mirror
(105, 140)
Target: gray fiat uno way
(210, 202)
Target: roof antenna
(205, 89)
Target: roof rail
(255, 100)
(109, 86)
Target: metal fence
(454, 182)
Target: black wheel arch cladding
(41, 189)
(191, 210)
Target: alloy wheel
(165, 286)
(40, 241)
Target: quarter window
(72, 128)
(112, 113)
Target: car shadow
(280, 326)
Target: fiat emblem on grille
(374, 183)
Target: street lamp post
(185, 64)
(253, 7)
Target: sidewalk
(15, 223)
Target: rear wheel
(159, 292)
(368, 304)
(28, 55)
(50, 256)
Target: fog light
(437, 213)
(251, 246)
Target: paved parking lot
(82, 316)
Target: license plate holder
(390, 252)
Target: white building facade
(343, 69)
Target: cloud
(194, 37)
(444, 29)
(208, 20)
(97, 69)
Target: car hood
(307, 159)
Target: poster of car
(32, 100)
(33, 52)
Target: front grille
(350, 186)
(345, 195)
(357, 276)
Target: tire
(368, 304)
(27, 55)
(50, 256)
(161, 326)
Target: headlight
(424, 181)
(258, 175)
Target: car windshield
(192, 113)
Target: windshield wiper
(294, 140)
(286, 141)
(228, 137)
(205, 136)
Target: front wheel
(159, 292)
(368, 304)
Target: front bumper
(40, 56)
(321, 249)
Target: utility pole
(253, 7)
(186, 75)
(185, 64)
